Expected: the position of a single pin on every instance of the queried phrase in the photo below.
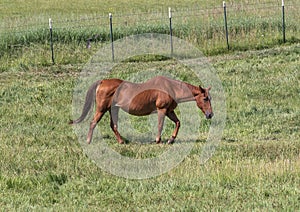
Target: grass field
(251, 24)
(43, 167)
(255, 167)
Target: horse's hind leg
(171, 115)
(96, 119)
(114, 116)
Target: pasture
(43, 167)
(255, 167)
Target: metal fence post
(171, 31)
(51, 40)
(226, 27)
(111, 37)
(283, 22)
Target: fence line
(231, 14)
(206, 11)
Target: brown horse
(159, 94)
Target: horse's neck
(187, 93)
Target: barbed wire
(102, 20)
(97, 24)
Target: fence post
(283, 22)
(225, 21)
(111, 37)
(51, 40)
(171, 31)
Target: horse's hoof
(171, 141)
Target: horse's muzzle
(209, 115)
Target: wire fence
(227, 26)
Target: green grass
(256, 166)
(250, 26)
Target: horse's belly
(143, 103)
(141, 109)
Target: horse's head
(203, 99)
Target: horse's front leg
(114, 116)
(171, 115)
(161, 118)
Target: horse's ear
(202, 90)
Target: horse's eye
(206, 99)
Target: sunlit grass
(256, 166)
(43, 166)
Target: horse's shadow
(144, 141)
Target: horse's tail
(89, 102)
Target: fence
(230, 26)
